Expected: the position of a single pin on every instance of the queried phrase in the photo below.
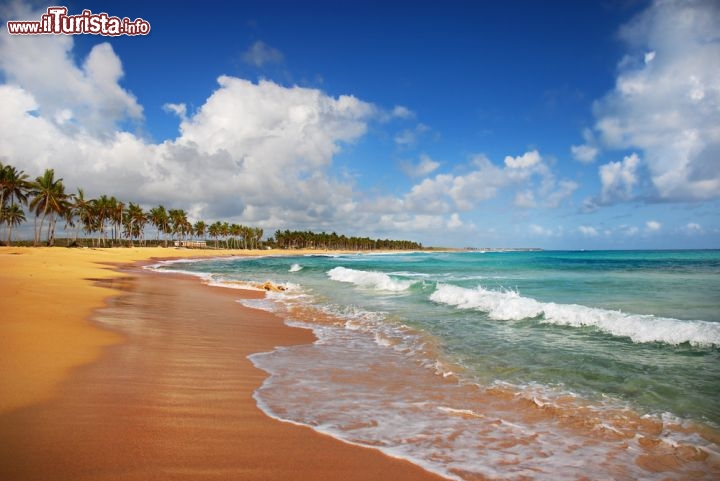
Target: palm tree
(134, 220)
(214, 231)
(115, 210)
(101, 208)
(235, 231)
(13, 216)
(199, 229)
(159, 218)
(179, 222)
(49, 198)
(14, 185)
(243, 233)
(84, 210)
(257, 234)
(141, 219)
(225, 232)
(69, 215)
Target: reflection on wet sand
(174, 401)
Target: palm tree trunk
(51, 231)
(38, 232)
(35, 236)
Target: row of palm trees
(107, 221)
(311, 240)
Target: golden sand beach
(109, 372)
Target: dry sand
(158, 386)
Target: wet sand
(46, 296)
(169, 397)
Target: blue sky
(557, 124)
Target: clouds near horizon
(275, 155)
(256, 151)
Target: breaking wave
(510, 305)
(369, 280)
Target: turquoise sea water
(508, 365)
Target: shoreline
(130, 405)
(49, 291)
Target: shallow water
(515, 365)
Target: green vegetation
(311, 240)
(108, 222)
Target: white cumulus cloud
(588, 231)
(528, 159)
(692, 228)
(402, 112)
(86, 96)
(527, 172)
(584, 153)
(652, 226)
(666, 101)
(255, 152)
(178, 109)
(618, 179)
(424, 167)
(251, 152)
(454, 222)
(587, 152)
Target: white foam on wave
(398, 337)
(220, 280)
(369, 279)
(160, 268)
(295, 268)
(422, 275)
(510, 305)
(362, 382)
(261, 304)
(161, 265)
(341, 386)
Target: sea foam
(510, 305)
(368, 279)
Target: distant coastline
(503, 249)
